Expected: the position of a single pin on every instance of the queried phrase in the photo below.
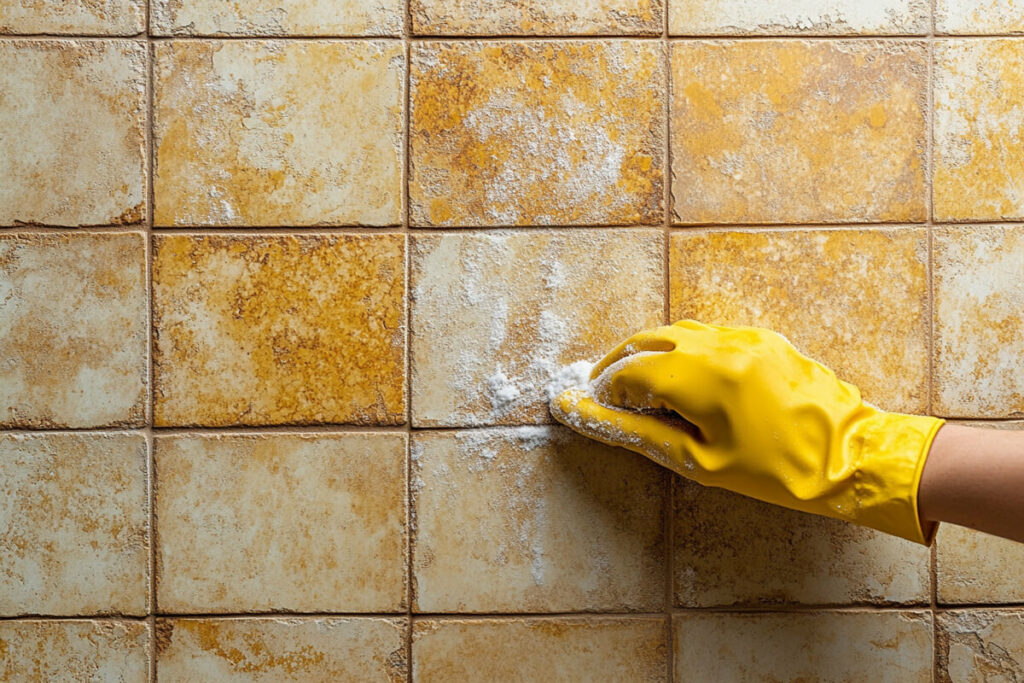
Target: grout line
(930, 309)
(409, 515)
(151, 387)
(668, 526)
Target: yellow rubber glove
(760, 419)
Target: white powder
(574, 376)
(503, 393)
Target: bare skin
(975, 478)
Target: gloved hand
(740, 408)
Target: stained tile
(277, 17)
(73, 116)
(979, 112)
(538, 649)
(980, 645)
(283, 522)
(279, 329)
(267, 133)
(541, 133)
(68, 650)
(856, 300)
(875, 647)
(534, 17)
(495, 316)
(979, 328)
(979, 16)
(282, 649)
(72, 330)
(82, 17)
(802, 17)
(796, 131)
(535, 519)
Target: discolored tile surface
(799, 17)
(268, 133)
(307, 650)
(979, 328)
(283, 522)
(796, 131)
(535, 519)
(534, 17)
(524, 133)
(73, 116)
(979, 16)
(277, 17)
(495, 316)
(854, 647)
(67, 650)
(285, 329)
(980, 645)
(82, 17)
(554, 650)
(72, 330)
(979, 113)
(856, 300)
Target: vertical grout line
(407, 106)
(150, 393)
(669, 527)
(930, 274)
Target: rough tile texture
(301, 650)
(553, 650)
(279, 330)
(535, 17)
(281, 523)
(73, 119)
(277, 17)
(977, 646)
(979, 16)
(522, 133)
(74, 650)
(83, 17)
(535, 519)
(74, 524)
(812, 286)
(798, 17)
(72, 330)
(979, 321)
(791, 131)
(979, 115)
(266, 133)
(495, 316)
(874, 647)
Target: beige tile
(82, 17)
(979, 16)
(856, 300)
(535, 17)
(797, 131)
(979, 328)
(39, 650)
(72, 330)
(979, 114)
(282, 329)
(277, 17)
(535, 519)
(74, 524)
(600, 648)
(268, 133)
(73, 115)
(537, 133)
(282, 649)
(980, 645)
(495, 316)
(798, 17)
(282, 522)
(875, 647)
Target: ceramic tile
(980, 645)
(979, 113)
(799, 17)
(72, 330)
(856, 300)
(282, 329)
(282, 522)
(525, 133)
(797, 131)
(495, 316)
(277, 17)
(73, 115)
(268, 133)
(979, 16)
(67, 650)
(83, 17)
(534, 17)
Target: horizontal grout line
(975, 606)
(482, 616)
(64, 617)
(278, 229)
(922, 607)
(242, 430)
(793, 227)
(279, 615)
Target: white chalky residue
(979, 16)
(828, 16)
(573, 376)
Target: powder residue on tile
(796, 17)
(536, 17)
(979, 16)
(277, 18)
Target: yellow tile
(795, 131)
(980, 645)
(266, 133)
(83, 17)
(535, 519)
(797, 17)
(979, 114)
(282, 522)
(73, 115)
(277, 17)
(829, 646)
(979, 16)
(279, 330)
(542, 133)
(855, 300)
(72, 330)
(495, 316)
(282, 649)
(39, 650)
(535, 17)
(553, 650)
(979, 321)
